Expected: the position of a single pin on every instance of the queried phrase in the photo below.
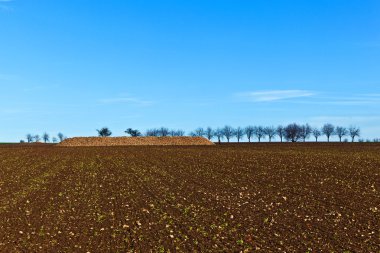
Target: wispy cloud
(369, 44)
(345, 120)
(126, 100)
(6, 77)
(311, 97)
(372, 95)
(4, 5)
(344, 100)
(37, 88)
(275, 95)
(11, 111)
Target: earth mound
(134, 141)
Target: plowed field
(223, 198)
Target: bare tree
(249, 132)
(316, 133)
(37, 138)
(228, 132)
(209, 133)
(174, 133)
(46, 137)
(104, 132)
(239, 133)
(163, 131)
(54, 140)
(271, 132)
(281, 132)
(219, 134)
(305, 131)
(152, 132)
(29, 138)
(354, 132)
(133, 132)
(292, 132)
(199, 132)
(179, 132)
(341, 132)
(259, 132)
(61, 137)
(328, 130)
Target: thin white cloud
(6, 77)
(126, 100)
(344, 120)
(311, 97)
(34, 88)
(4, 8)
(12, 113)
(351, 102)
(370, 44)
(344, 100)
(8, 111)
(4, 5)
(275, 95)
(371, 95)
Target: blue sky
(75, 66)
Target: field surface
(223, 198)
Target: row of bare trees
(291, 133)
(156, 132)
(45, 137)
(163, 131)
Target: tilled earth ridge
(131, 141)
(265, 198)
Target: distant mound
(134, 141)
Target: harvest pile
(132, 141)
(223, 198)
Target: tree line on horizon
(291, 133)
(45, 137)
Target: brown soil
(133, 141)
(221, 198)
